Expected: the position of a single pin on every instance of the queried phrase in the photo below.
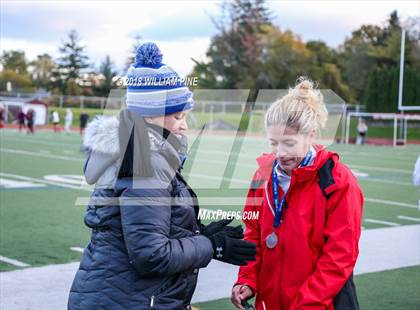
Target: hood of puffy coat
(101, 142)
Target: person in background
(416, 175)
(55, 118)
(68, 121)
(362, 129)
(21, 119)
(84, 117)
(310, 214)
(30, 119)
(2, 117)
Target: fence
(91, 102)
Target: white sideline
(392, 203)
(381, 222)
(13, 262)
(43, 181)
(21, 152)
(409, 218)
(77, 249)
(46, 288)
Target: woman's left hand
(239, 293)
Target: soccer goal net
(396, 129)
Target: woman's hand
(209, 230)
(239, 293)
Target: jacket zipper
(286, 205)
(152, 301)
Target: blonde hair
(302, 109)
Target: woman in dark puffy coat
(147, 243)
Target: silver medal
(271, 240)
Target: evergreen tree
(107, 70)
(73, 59)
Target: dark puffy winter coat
(145, 248)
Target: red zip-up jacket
(317, 240)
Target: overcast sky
(182, 29)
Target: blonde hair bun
(303, 108)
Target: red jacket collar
(265, 162)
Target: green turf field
(40, 221)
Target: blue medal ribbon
(278, 205)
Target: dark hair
(134, 146)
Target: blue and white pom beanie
(154, 88)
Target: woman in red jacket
(310, 212)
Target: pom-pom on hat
(154, 88)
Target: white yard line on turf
(21, 152)
(408, 218)
(381, 222)
(77, 249)
(20, 177)
(9, 183)
(380, 169)
(13, 262)
(38, 141)
(374, 154)
(389, 202)
(384, 181)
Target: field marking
(392, 203)
(384, 156)
(408, 218)
(8, 183)
(67, 179)
(13, 262)
(21, 177)
(69, 152)
(77, 249)
(385, 181)
(380, 169)
(21, 152)
(42, 142)
(381, 222)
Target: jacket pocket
(171, 294)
